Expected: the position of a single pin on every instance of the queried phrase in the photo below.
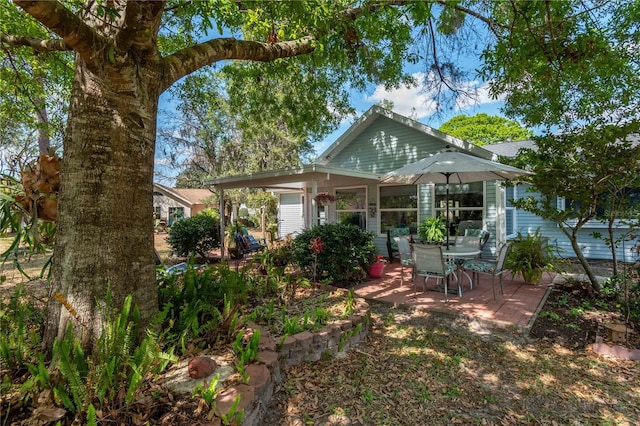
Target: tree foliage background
(484, 129)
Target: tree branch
(38, 45)
(141, 25)
(75, 33)
(190, 59)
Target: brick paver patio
(518, 306)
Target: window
(466, 203)
(628, 207)
(351, 206)
(398, 207)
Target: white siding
(290, 214)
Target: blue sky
(414, 103)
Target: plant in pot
(432, 230)
(530, 256)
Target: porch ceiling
(296, 178)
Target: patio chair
(493, 268)
(428, 262)
(392, 247)
(470, 242)
(406, 258)
(481, 234)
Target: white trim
(364, 210)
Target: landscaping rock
(201, 367)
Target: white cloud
(416, 103)
(407, 101)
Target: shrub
(197, 234)
(348, 251)
(530, 255)
(111, 376)
(21, 324)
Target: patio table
(458, 254)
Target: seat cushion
(480, 266)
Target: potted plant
(530, 256)
(376, 269)
(432, 230)
(324, 198)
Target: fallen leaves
(422, 370)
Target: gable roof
(187, 196)
(194, 195)
(511, 148)
(375, 112)
(323, 172)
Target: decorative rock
(201, 367)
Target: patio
(518, 307)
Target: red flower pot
(376, 270)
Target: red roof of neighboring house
(189, 195)
(194, 195)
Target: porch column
(314, 206)
(221, 203)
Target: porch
(518, 307)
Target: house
(171, 204)
(378, 142)
(592, 248)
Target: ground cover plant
(204, 309)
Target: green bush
(111, 376)
(348, 252)
(530, 256)
(21, 324)
(197, 234)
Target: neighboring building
(381, 141)
(171, 204)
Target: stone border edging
(307, 346)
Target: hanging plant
(325, 198)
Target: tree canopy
(483, 129)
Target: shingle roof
(509, 149)
(194, 195)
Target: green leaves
(483, 129)
(564, 63)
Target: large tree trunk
(105, 225)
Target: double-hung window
(398, 207)
(351, 206)
(466, 203)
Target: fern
(92, 419)
(66, 353)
